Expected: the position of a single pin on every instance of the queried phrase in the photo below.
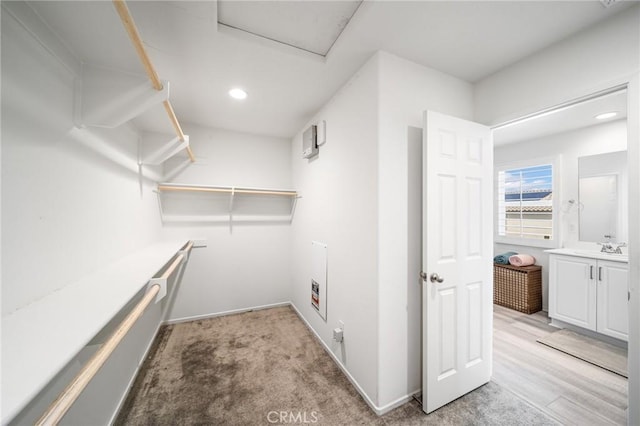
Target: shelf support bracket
(167, 151)
(109, 98)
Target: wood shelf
(215, 203)
(40, 339)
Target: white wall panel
(66, 210)
(244, 265)
(406, 91)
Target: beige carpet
(265, 367)
(604, 355)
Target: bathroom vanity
(589, 289)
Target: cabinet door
(612, 299)
(572, 292)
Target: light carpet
(602, 354)
(266, 367)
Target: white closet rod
(130, 26)
(234, 190)
(65, 400)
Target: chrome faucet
(608, 247)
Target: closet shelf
(226, 189)
(136, 40)
(215, 203)
(40, 339)
(109, 99)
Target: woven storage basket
(518, 287)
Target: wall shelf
(40, 339)
(108, 99)
(222, 204)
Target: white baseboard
(594, 335)
(221, 314)
(378, 410)
(397, 403)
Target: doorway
(634, 236)
(545, 163)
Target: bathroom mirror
(602, 181)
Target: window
(525, 204)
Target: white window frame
(556, 238)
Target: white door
(457, 258)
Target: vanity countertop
(624, 258)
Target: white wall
(598, 139)
(245, 265)
(595, 59)
(406, 91)
(339, 207)
(360, 204)
(66, 211)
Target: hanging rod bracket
(162, 282)
(186, 251)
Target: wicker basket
(518, 287)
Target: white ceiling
(286, 86)
(563, 119)
(311, 26)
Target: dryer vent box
(310, 142)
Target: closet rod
(130, 26)
(228, 190)
(65, 400)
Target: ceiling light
(237, 93)
(606, 115)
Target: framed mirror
(602, 182)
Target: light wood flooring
(568, 389)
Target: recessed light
(606, 115)
(237, 93)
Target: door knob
(423, 275)
(436, 278)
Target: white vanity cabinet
(612, 299)
(572, 290)
(589, 291)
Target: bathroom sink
(592, 253)
(600, 254)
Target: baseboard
(378, 410)
(398, 402)
(221, 314)
(594, 335)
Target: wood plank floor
(568, 389)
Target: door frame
(632, 85)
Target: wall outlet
(338, 335)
